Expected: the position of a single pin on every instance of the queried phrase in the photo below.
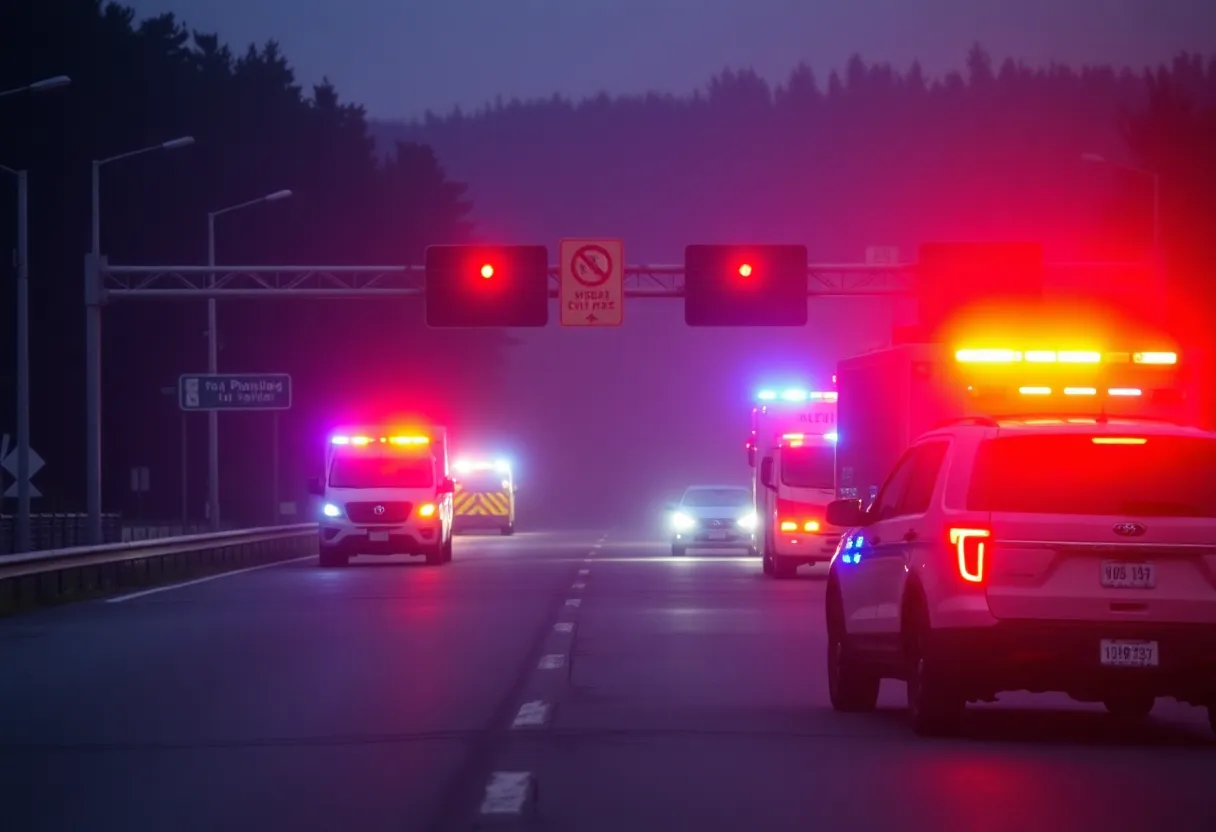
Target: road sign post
(234, 391)
(592, 287)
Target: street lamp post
(39, 86)
(24, 490)
(184, 451)
(93, 339)
(213, 356)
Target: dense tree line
(870, 155)
(138, 83)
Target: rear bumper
(1067, 656)
(813, 547)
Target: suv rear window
(1166, 476)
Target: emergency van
(385, 491)
(793, 453)
(484, 497)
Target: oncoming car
(1075, 555)
(714, 517)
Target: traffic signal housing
(745, 285)
(955, 279)
(487, 286)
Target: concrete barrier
(37, 579)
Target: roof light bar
(1005, 356)
(796, 394)
(1155, 358)
(1080, 391)
(368, 440)
(1124, 391)
(1119, 440)
(1035, 391)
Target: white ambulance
(793, 453)
(385, 492)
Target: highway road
(587, 681)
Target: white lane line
(584, 571)
(573, 602)
(506, 793)
(563, 627)
(144, 592)
(578, 585)
(532, 714)
(553, 661)
(591, 553)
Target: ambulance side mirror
(766, 473)
(447, 486)
(315, 487)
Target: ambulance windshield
(809, 466)
(372, 470)
(482, 480)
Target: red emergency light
(487, 271)
(745, 270)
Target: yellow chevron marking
(482, 503)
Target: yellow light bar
(409, 440)
(1155, 358)
(1035, 391)
(994, 356)
(360, 440)
(1080, 391)
(1123, 391)
(1119, 440)
(1080, 357)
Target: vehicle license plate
(378, 537)
(717, 534)
(1119, 574)
(1120, 653)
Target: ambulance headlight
(331, 510)
(748, 521)
(681, 522)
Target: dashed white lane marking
(591, 554)
(584, 571)
(551, 662)
(506, 793)
(573, 602)
(184, 584)
(563, 627)
(578, 585)
(531, 714)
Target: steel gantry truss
(104, 282)
(195, 282)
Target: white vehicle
(385, 493)
(1066, 549)
(793, 453)
(713, 517)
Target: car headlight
(331, 510)
(682, 522)
(748, 521)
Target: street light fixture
(25, 541)
(213, 421)
(93, 339)
(40, 86)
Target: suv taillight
(971, 547)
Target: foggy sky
(402, 57)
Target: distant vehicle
(485, 496)
(385, 492)
(792, 452)
(713, 517)
(1066, 549)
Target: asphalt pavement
(579, 681)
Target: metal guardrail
(48, 577)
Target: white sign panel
(592, 289)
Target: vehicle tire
(447, 550)
(852, 687)
(677, 551)
(331, 557)
(435, 555)
(508, 529)
(934, 706)
(1130, 708)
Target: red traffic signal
(487, 286)
(745, 285)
